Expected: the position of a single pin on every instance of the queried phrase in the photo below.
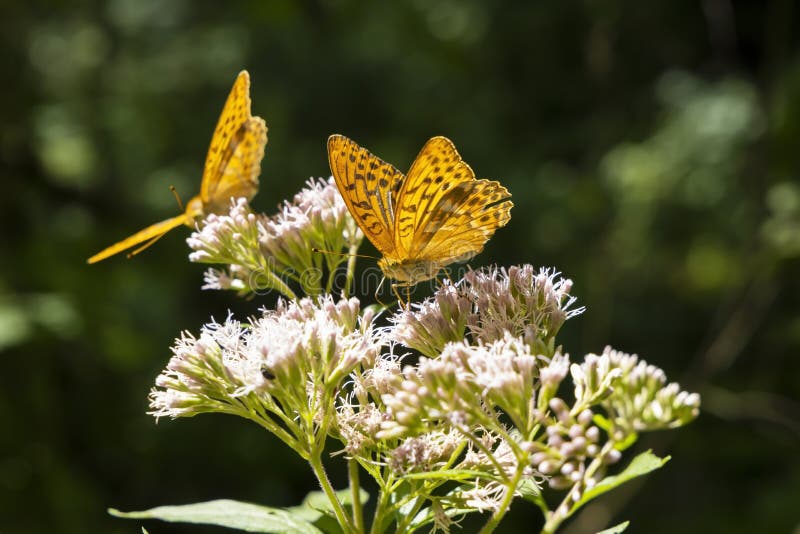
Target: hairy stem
(355, 489)
(341, 515)
(381, 509)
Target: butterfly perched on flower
(232, 167)
(436, 215)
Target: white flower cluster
(288, 363)
(265, 253)
(316, 220)
(461, 398)
(462, 385)
(485, 306)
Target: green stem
(274, 282)
(428, 487)
(500, 513)
(351, 268)
(279, 432)
(410, 514)
(564, 510)
(341, 515)
(387, 488)
(483, 448)
(355, 488)
(331, 277)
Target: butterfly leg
(146, 245)
(377, 294)
(397, 294)
(405, 303)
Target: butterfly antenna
(180, 205)
(129, 255)
(315, 249)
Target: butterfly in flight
(436, 215)
(232, 167)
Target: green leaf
(227, 513)
(629, 440)
(328, 524)
(319, 501)
(616, 529)
(317, 509)
(532, 493)
(641, 465)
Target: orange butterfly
(232, 167)
(437, 215)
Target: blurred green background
(651, 149)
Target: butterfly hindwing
(459, 226)
(369, 187)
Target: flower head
(290, 354)
(434, 322)
(357, 425)
(528, 304)
(642, 399)
(422, 453)
(462, 385)
(486, 304)
(264, 253)
(316, 220)
(232, 240)
(594, 379)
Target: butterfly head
(409, 271)
(194, 210)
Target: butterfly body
(437, 214)
(409, 271)
(231, 169)
(195, 209)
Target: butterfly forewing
(240, 166)
(370, 189)
(235, 113)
